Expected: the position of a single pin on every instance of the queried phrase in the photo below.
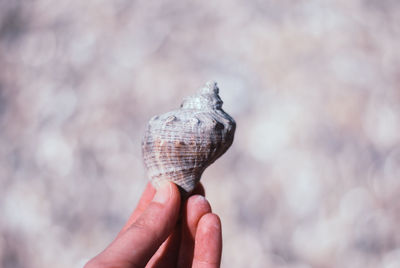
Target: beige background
(313, 176)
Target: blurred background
(313, 176)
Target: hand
(158, 235)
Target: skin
(164, 231)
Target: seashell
(179, 145)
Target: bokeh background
(313, 176)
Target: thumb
(142, 239)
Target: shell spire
(179, 145)
(206, 98)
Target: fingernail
(199, 199)
(163, 193)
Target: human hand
(157, 234)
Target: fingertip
(196, 207)
(210, 222)
(166, 192)
(198, 203)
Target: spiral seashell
(179, 145)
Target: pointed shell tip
(211, 87)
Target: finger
(195, 207)
(167, 253)
(208, 242)
(144, 201)
(145, 235)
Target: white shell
(179, 145)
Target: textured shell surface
(179, 145)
